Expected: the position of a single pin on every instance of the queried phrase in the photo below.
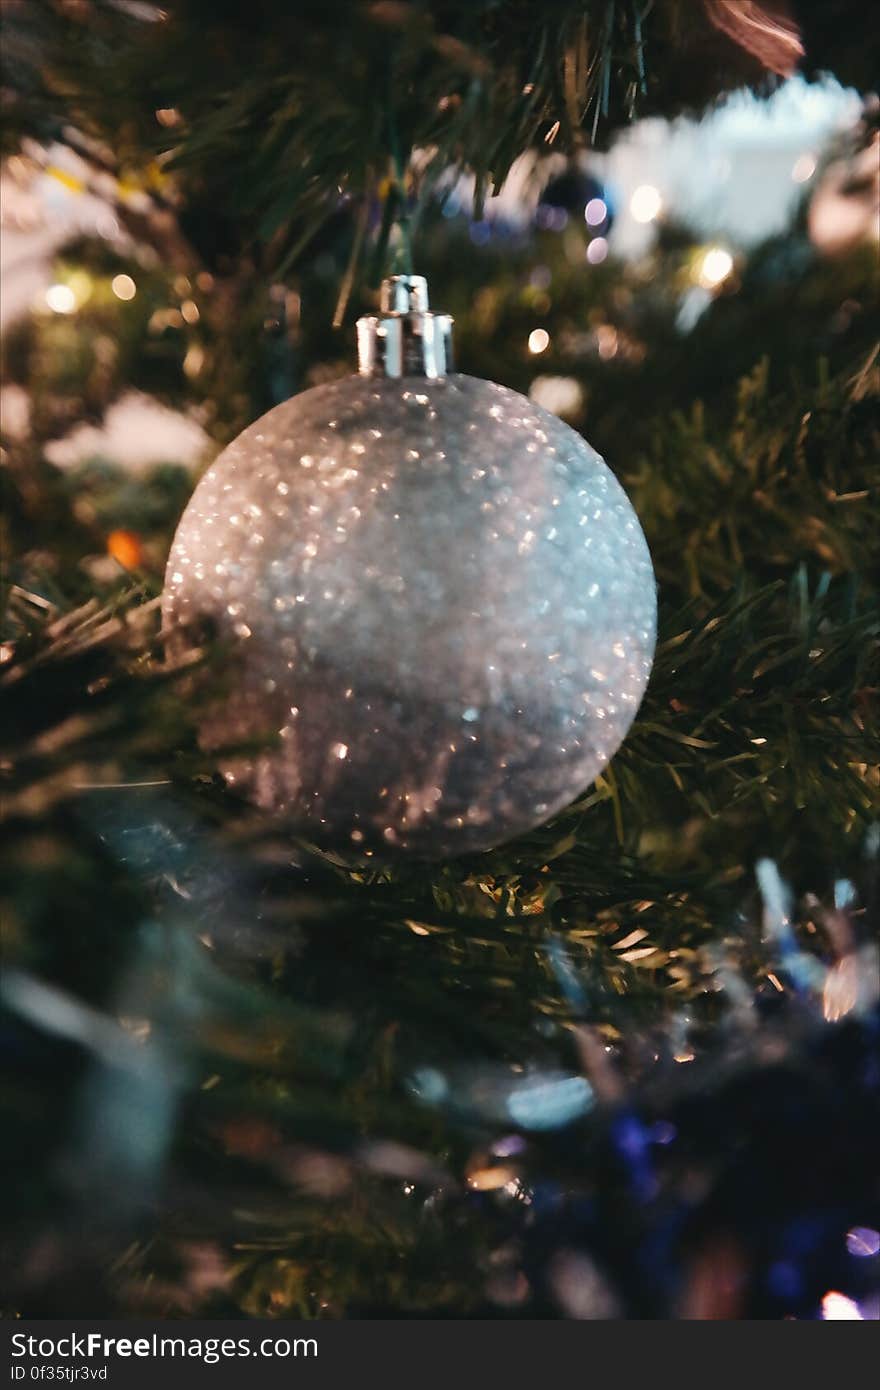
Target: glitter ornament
(439, 598)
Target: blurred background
(654, 270)
(627, 1066)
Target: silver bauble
(442, 602)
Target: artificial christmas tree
(622, 1065)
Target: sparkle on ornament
(61, 299)
(539, 340)
(596, 212)
(714, 267)
(597, 250)
(123, 287)
(646, 203)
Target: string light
(539, 340)
(646, 203)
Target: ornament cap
(404, 294)
(405, 338)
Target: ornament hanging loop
(405, 338)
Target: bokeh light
(539, 340)
(61, 299)
(714, 267)
(123, 287)
(646, 203)
(863, 1242)
(836, 1307)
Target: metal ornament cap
(405, 338)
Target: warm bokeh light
(194, 360)
(123, 287)
(539, 340)
(61, 299)
(606, 341)
(562, 395)
(714, 267)
(836, 1307)
(126, 549)
(646, 203)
